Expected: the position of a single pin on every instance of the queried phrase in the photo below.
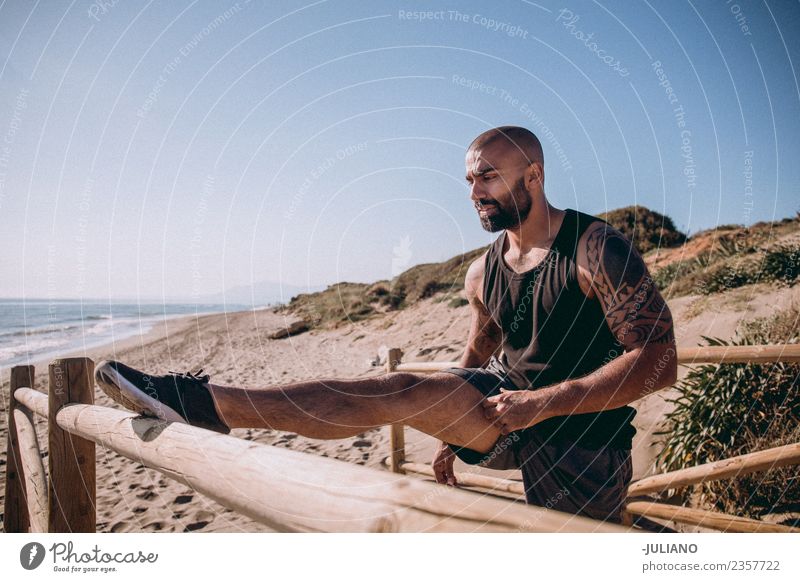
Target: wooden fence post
(71, 459)
(15, 510)
(397, 438)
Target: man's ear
(533, 175)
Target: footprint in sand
(181, 499)
(146, 496)
(362, 443)
(200, 520)
(153, 526)
(286, 440)
(120, 526)
(139, 509)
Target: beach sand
(235, 349)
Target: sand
(236, 350)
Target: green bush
(727, 410)
(724, 269)
(432, 287)
(782, 263)
(396, 297)
(457, 302)
(674, 273)
(779, 264)
(727, 276)
(645, 228)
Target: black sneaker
(174, 397)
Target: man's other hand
(443, 465)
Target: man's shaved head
(512, 138)
(502, 171)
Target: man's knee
(403, 384)
(414, 393)
(394, 394)
(411, 384)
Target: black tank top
(553, 332)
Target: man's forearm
(631, 376)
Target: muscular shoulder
(604, 248)
(473, 282)
(615, 273)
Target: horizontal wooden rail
(425, 367)
(468, 479)
(293, 491)
(765, 354)
(707, 519)
(33, 400)
(733, 467)
(686, 356)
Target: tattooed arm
(611, 272)
(617, 276)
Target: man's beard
(506, 218)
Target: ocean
(32, 330)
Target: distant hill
(729, 256)
(343, 302)
(646, 228)
(707, 262)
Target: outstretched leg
(442, 404)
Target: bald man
(567, 329)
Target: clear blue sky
(182, 148)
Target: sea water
(33, 329)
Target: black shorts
(556, 474)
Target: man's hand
(443, 465)
(513, 410)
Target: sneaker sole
(119, 389)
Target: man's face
(496, 176)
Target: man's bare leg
(442, 405)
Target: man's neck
(539, 228)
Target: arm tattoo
(634, 309)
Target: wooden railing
(286, 490)
(733, 467)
